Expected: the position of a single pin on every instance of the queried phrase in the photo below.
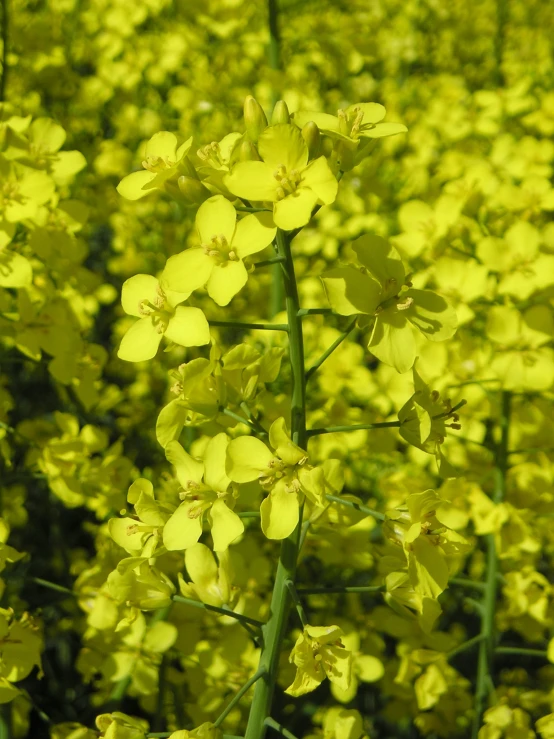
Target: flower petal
(162, 144)
(226, 525)
(214, 463)
(136, 185)
(283, 145)
(188, 327)
(216, 216)
(141, 342)
(319, 178)
(187, 468)
(349, 291)
(252, 180)
(247, 458)
(279, 513)
(253, 233)
(373, 112)
(181, 531)
(324, 121)
(135, 290)
(295, 210)
(187, 271)
(226, 280)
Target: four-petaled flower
(163, 160)
(317, 654)
(284, 177)
(206, 490)
(217, 263)
(159, 315)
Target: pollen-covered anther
(157, 164)
(435, 395)
(408, 302)
(455, 426)
(132, 529)
(176, 388)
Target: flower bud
(247, 152)
(280, 113)
(186, 167)
(254, 118)
(193, 190)
(312, 137)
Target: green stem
(5, 23)
(216, 609)
(252, 418)
(240, 419)
(357, 427)
(276, 295)
(52, 586)
(245, 688)
(357, 507)
(279, 728)
(297, 604)
(273, 631)
(249, 326)
(248, 514)
(253, 631)
(520, 651)
(487, 646)
(326, 354)
(248, 209)
(343, 589)
(5, 721)
(464, 647)
(267, 262)
(315, 312)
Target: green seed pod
(192, 189)
(254, 118)
(312, 137)
(280, 113)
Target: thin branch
(216, 609)
(356, 506)
(314, 312)
(357, 427)
(326, 354)
(522, 652)
(245, 688)
(464, 647)
(279, 728)
(267, 262)
(297, 603)
(343, 589)
(251, 326)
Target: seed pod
(280, 113)
(254, 118)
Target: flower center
(220, 249)
(211, 154)
(158, 310)
(157, 164)
(288, 181)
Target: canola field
(276, 369)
